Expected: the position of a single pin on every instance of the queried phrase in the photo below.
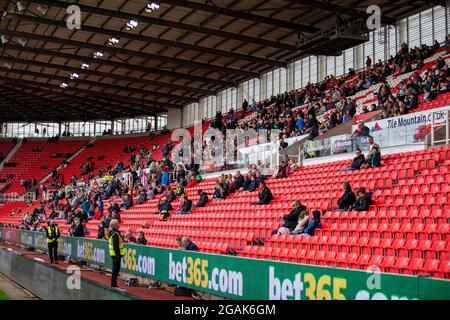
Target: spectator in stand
(361, 130)
(290, 220)
(185, 206)
(180, 242)
(142, 196)
(219, 191)
(357, 162)
(77, 229)
(238, 182)
(188, 244)
(127, 202)
(129, 238)
(283, 144)
(282, 170)
(374, 156)
(203, 200)
(164, 208)
(310, 230)
(141, 239)
(347, 199)
(368, 62)
(363, 200)
(264, 195)
(302, 223)
(179, 189)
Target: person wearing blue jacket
(310, 230)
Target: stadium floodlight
(74, 75)
(131, 24)
(42, 10)
(151, 6)
(98, 54)
(8, 65)
(3, 14)
(4, 38)
(84, 66)
(112, 41)
(21, 6)
(64, 85)
(22, 41)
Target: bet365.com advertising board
(242, 278)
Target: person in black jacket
(186, 206)
(357, 162)
(348, 198)
(142, 197)
(171, 195)
(264, 195)
(127, 202)
(290, 220)
(78, 229)
(164, 208)
(203, 199)
(363, 200)
(188, 244)
(141, 239)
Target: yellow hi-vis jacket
(113, 236)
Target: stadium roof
(166, 58)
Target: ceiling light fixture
(74, 75)
(22, 41)
(131, 24)
(21, 6)
(112, 41)
(42, 10)
(84, 66)
(152, 6)
(98, 54)
(64, 85)
(4, 38)
(8, 65)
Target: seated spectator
(289, 221)
(362, 130)
(310, 230)
(141, 239)
(179, 242)
(114, 207)
(203, 200)
(179, 190)
(185, 206)
(142, 197)
(292, 166)
(219, 192)
(282, 170)
(164, 208)
(129, 238)
(188, 244)
(357, 162)
(374, 156)
(170, 194)
(347, 200)
(363, 200)
(302, 223)
(238, 182)
(77, 229)
(127, 202)
(264, 195)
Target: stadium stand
(392, 212)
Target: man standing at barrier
(116, 250)
(53, 236)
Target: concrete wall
(50, 283)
